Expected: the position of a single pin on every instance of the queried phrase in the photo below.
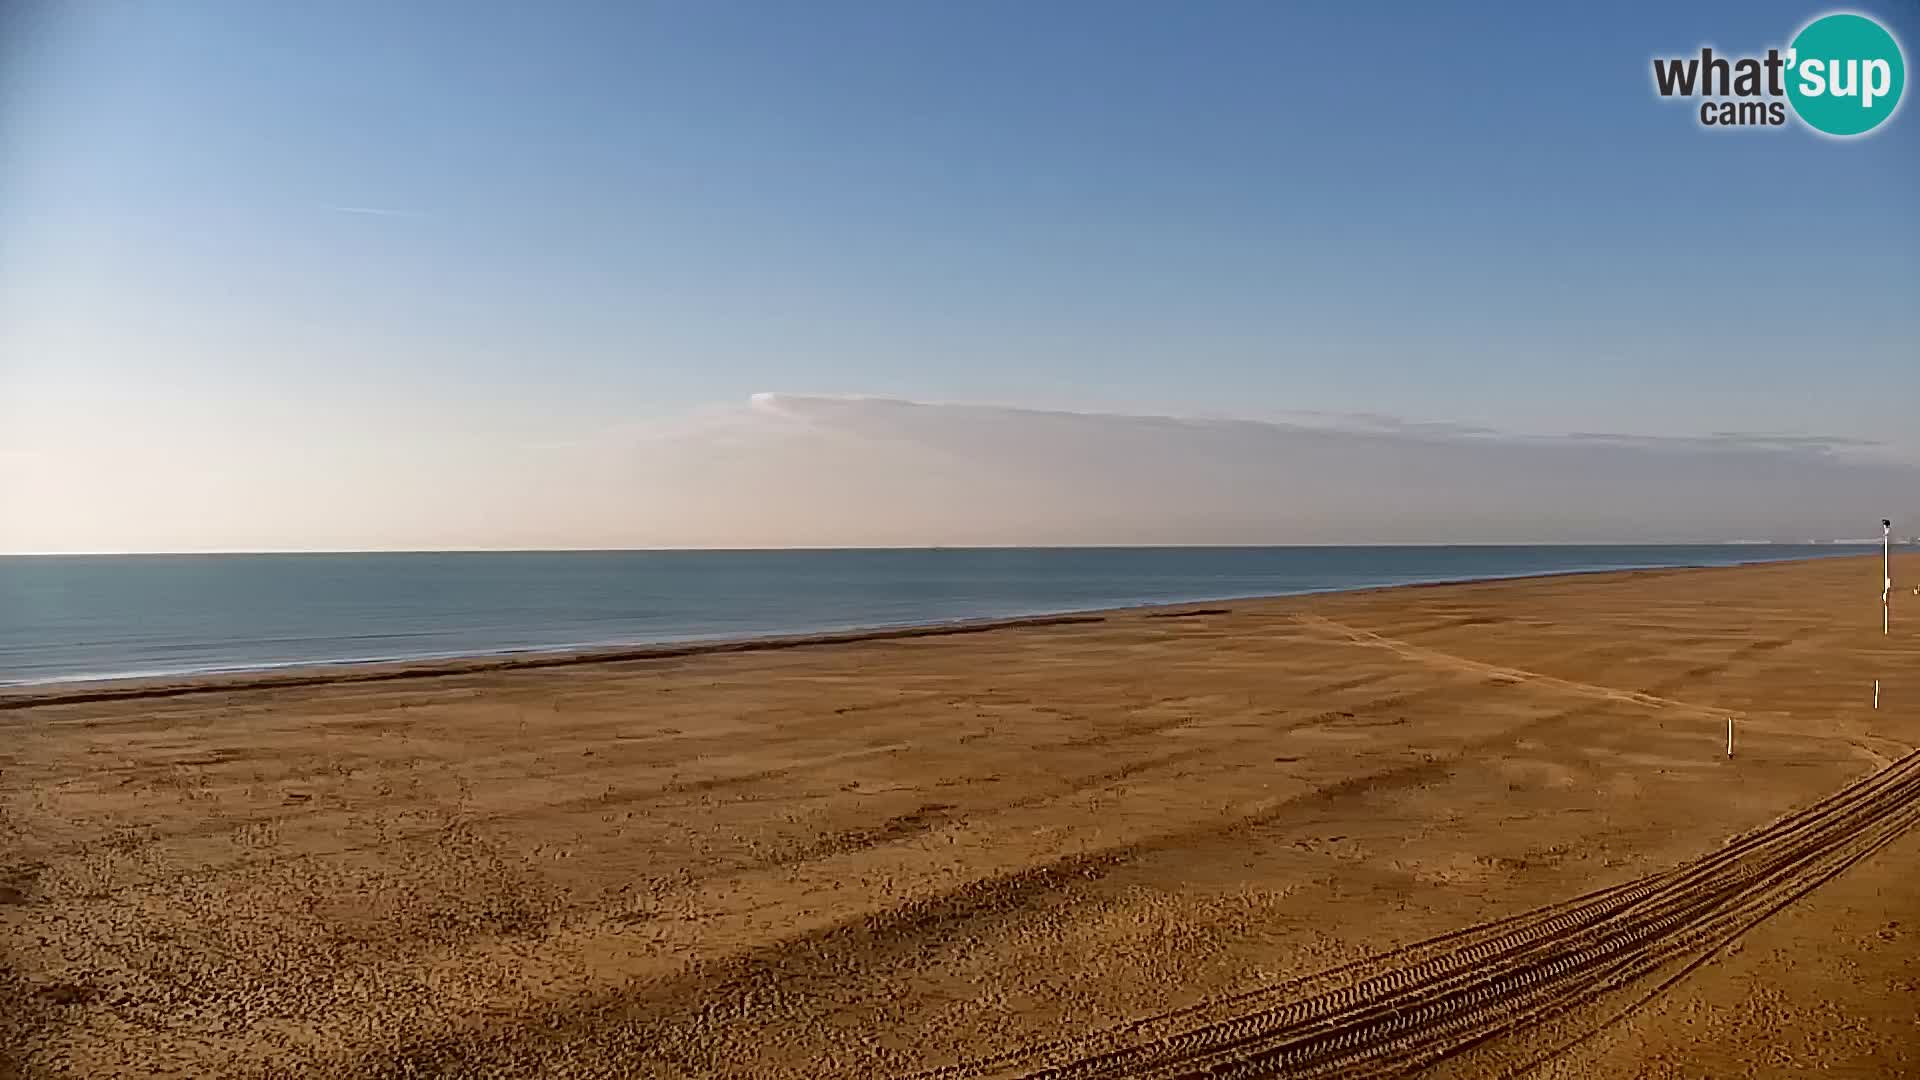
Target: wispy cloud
(789, 468)
(808, 470)
(1384, 423)
(1790, 442)
(374, 211)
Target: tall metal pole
(1886, 573)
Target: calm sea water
(90, 617)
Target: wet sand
(871, 857)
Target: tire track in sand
(1435, 658)
(1414, 1006)
(1863, 746)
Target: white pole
(1886, 589)
(1730, 732)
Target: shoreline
(301, 674)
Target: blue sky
(358, 229)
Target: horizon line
(1847, 542)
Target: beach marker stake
(1729, 736)
(1886, 589)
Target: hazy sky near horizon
(490, 275)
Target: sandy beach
(1151, 842)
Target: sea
(85, 617)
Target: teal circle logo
(1845, 73)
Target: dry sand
(869, 858)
